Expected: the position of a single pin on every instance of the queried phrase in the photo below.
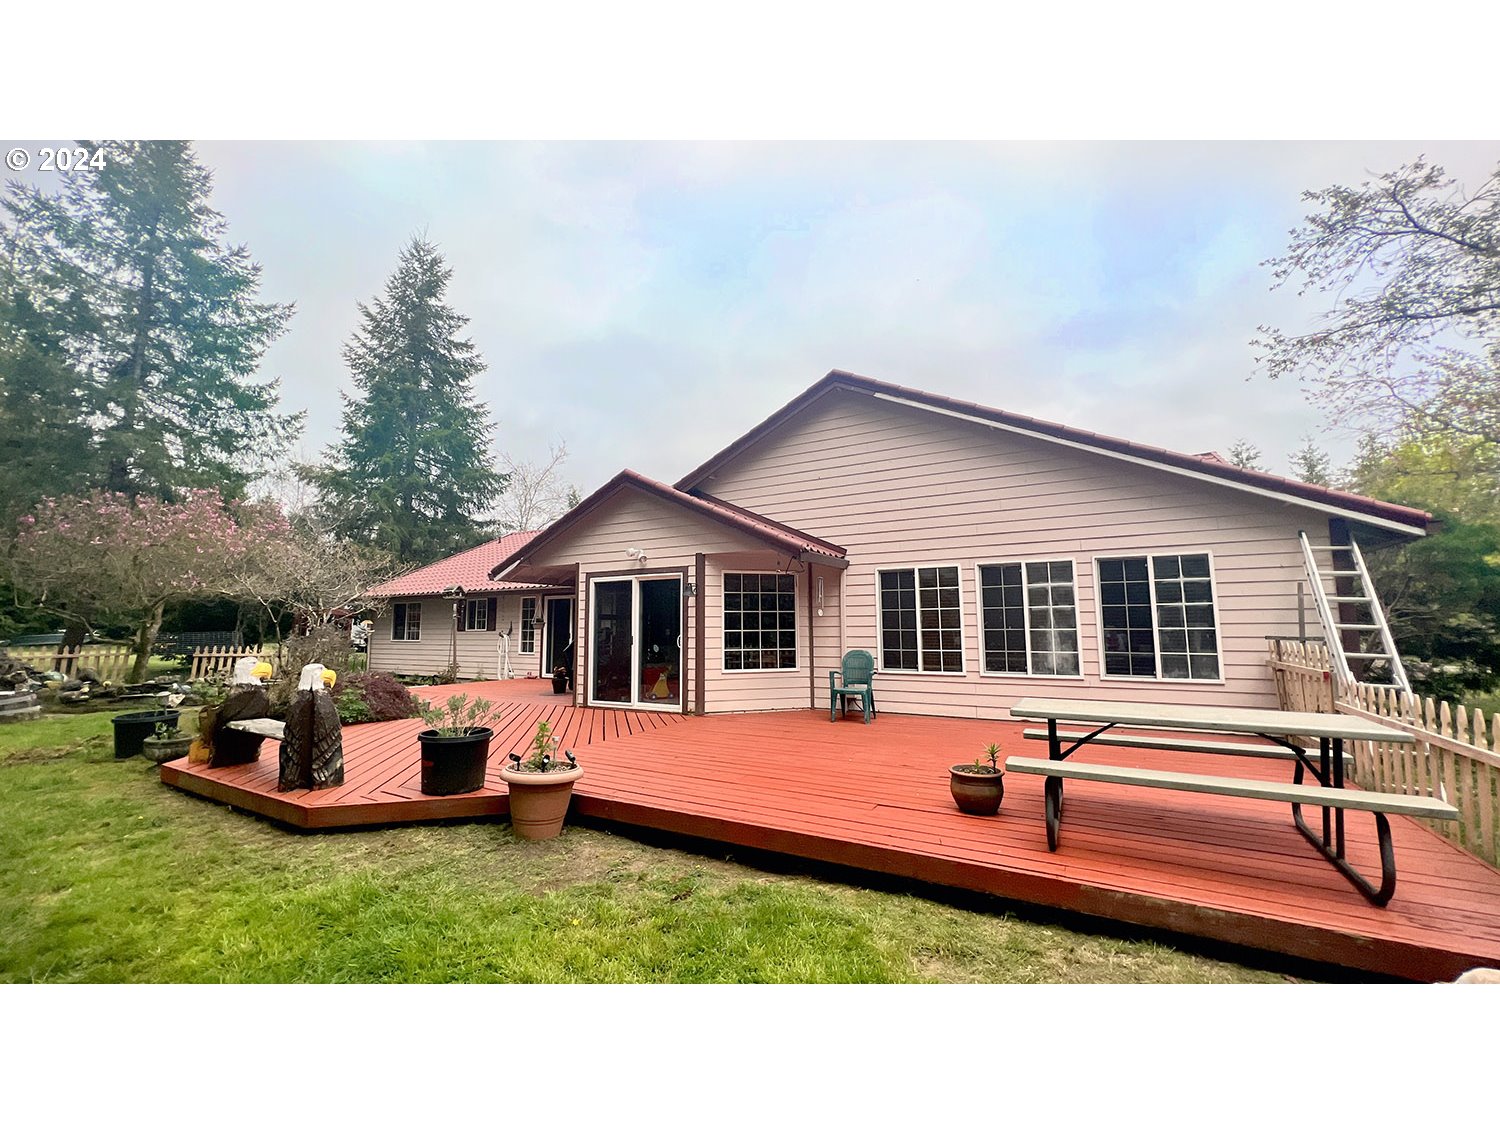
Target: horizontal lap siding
(900, 487)
(478, 651)
(670, 535)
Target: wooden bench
(266, 728)
(1196, 746)
(1293, 793)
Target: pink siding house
(421, 632)
(979, 555)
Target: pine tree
(412, 473)
(1244, 455)
(127, 266)
(1311, 464)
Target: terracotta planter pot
(454, 763)
(539, 801)
(978, 794)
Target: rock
(74, 685)
(89, 676)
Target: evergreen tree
(1244, 455)
(127, 267)
(412, 473)
(1311, 464)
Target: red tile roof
(1208, 467)
(767, 530)
(469, 569)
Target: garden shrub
(372, 697)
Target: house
(422, 631)
(980, 555)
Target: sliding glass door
(635, 630)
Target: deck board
(876, 798)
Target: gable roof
(740, 519)
(469, 569)
(1209, 467)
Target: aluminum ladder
(1377, 644)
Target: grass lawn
(107, 875)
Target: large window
(1157, 617)
(406, 621)
(1029, 620)
(528, 626)
(921, 620)
(760, 622)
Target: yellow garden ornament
(262, 671)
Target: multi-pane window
(1029, 618)
(477, 613)
(406, 621)
(760, 622)
(1157, 617)
(528, 626)
(921, 620)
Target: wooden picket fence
(1456, 756)
(218, 660)
(110, 663)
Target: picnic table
(1151, 726)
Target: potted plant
(540, 786)
(456, 745)
(166, 744)
(977, 788)
(560, 679)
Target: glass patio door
(635, 633)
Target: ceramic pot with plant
(977, 788)
(166, 743)
(456, 746)
(541, 786)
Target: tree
(128, 270)
(298, 567)
(109, 555)
(1435, 471)
(1413, 337)
(1244, 455)
(1311, 464)
(412, 473)
(535, 495)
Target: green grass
(107, 875)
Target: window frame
(796, 626)
(522, 648)
(406, 637)
(470, 617)
(963, 640)
(1026, 611)
(1151, 556)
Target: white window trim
(963, 640)
(796, 627)
(521, 649)
(1026, 603)
(1150, 555)
(420, 614)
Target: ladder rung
(1367, 656)
(1347, 600)
(1339, 626)
(1335, 547)
(1338, 574)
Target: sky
(648, 302)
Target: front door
(635, 634)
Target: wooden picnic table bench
(266, 728)
(1280, 729)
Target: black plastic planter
(135, 727)
(454, 763)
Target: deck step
(1150, 742)
(1239, 787)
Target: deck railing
(1456, 756)
(110, 663)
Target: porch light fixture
(637, 554)
(692, 588)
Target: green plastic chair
(859, 683)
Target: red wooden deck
(876, 798)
